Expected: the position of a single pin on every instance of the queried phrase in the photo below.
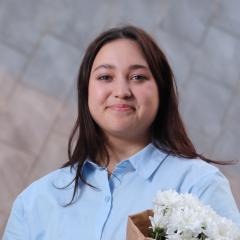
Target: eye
(139, 77)
(104, 77)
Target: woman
(128, 142)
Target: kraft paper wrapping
(138, 226)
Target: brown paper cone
(138, 226)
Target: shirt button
(107, 198)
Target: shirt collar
(145, 162)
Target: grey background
(41, 45)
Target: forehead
(121, 51)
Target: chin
(120, 132)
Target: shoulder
(31, 208)
(200, 178)
(195, 166)
(205, 181)
(184, 170)
(186, 166)
(187, 173)
(48, 186)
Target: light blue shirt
(38, 212)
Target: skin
(122, 98)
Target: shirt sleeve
(214, 190)
(16, 228)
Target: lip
(121, 107)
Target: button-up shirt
(39, 212)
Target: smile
(121, 108)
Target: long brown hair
(167, 131)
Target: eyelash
(139, 77)
(104, 77)
(133, 77)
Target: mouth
(121, 107)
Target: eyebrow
(131, 67)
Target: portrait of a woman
(128, 142)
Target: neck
(120, 149)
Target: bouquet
(182, 216)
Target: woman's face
(122, 95)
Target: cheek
(149, 97)
(96, 95)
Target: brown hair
(168, 132)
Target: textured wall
(41, 44)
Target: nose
(122, 89)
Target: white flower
(182, 216)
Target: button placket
(107, 198)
